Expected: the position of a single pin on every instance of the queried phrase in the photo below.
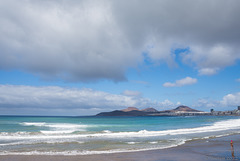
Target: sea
(31, 135)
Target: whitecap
(107, 131)
(132, 142)
(57, 132)
(85, 152)
(33, 123)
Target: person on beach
(232, 149)
(231, 143)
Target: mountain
(150, 109)
(122, 113)
(130, 109)
(184, 109)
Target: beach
(197, 150)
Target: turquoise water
(94, 135)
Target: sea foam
(233, 124)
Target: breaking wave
(54, 135)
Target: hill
(130, 109)
(150, 109)
(122, 113)
(184, 109)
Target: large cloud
(101, 39)
(75, 41)
(54, 98)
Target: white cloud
(209, 60)
(181, 82)
(68, 101)
(208, 71)
(90, 40)
(238, 80)
(178, 103)
(131, 93)
(167, 103)
(229, 101)
(168, 84)
(159, 50)
(207, 104)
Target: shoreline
(204, 149)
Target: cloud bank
(230, 100)
(181, 82)
(52, 98)
(100, 39)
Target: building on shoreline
(228, 113)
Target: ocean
(20, 135)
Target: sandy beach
(198, 150)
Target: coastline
(208, 150)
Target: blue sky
(81, 58)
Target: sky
(82, 57)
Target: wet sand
(199, 150)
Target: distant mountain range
(133, 111)
(150, 109)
